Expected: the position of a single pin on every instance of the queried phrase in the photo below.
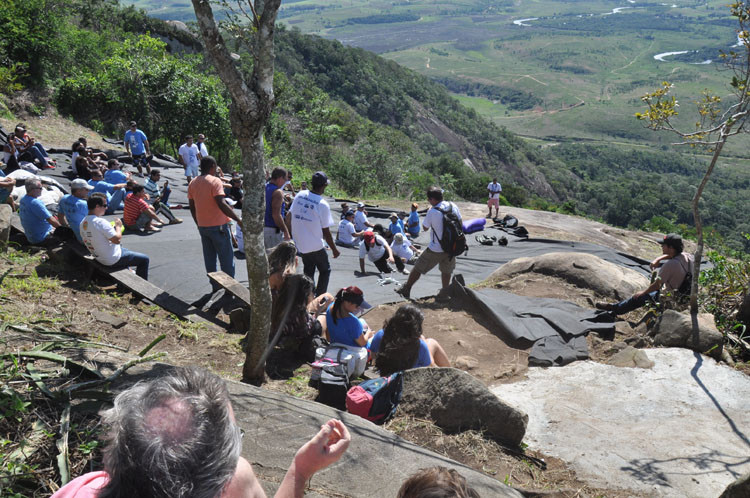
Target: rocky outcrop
(582, 270)
(738, 489)
(456, 401)
(696, 332)
(631, 357)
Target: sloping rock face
(676, 330)
(738, 489)
(456, 401)
(582, 270)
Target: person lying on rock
(400, 345)
(177, 436)
(674, 266)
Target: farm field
(575, 69)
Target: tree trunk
(743, 315)
(251, 107)
(699, 224)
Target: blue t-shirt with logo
(345, 331)
(423, 360)
(34, 216)
(75, 210)
(136, 139)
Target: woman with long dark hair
(400, 345)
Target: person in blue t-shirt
(412, 224)
(115, 192)
(400, 345)
(38, 223)
(114, 174)
(73, 206)
(136, 144)
(340, 324)
(396, 226)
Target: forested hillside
(379, 129)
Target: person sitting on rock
(114, 173)
(347, 235)
(339, 323)
(674, 266)
(361, 222)
(376, 248)
(400, 345)
(73, 207)
(159, 198)
(38, 223)
(138, 215)
(31, 150)
(115, 192)
(295, 310)
(404, 249)
(436, 482)
(176, 435)
(10, 155)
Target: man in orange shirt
(212, 214)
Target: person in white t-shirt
(190, 158)
(434, 254)
(403, 248)
(202, 145)
(102, 239)
(360, 218)
(311, 221)
(377, 250)
(348, 236)
(493, 190)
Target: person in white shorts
(190, 158)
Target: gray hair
(31, 184)
(173, 436)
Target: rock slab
(631, 357)
(5, 214)
(456, 401)
(675, 329)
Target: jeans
(631, 303)
(353, 245)
(115, 201)
(217, 242)
(38, 152)
(317, 260)
(165, 195)
(137, 259)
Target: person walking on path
(493, 190)
(275, 230)
(434, 254)
(311, 221)
(212, 214)
(190, 158)
(138, 148)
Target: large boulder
(738, 489)
(582, 270)
(456, 401)
(683, 330)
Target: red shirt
(134, 206)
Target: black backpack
(453, 241)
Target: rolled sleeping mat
(474, 225)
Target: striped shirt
(134, 206)
(152, 189)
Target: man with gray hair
(176, 436)
(38, 223)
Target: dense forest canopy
(379, 129)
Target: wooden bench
(231, 285)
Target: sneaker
(604, 306)
(405, 271)
(403, 292)
(175, 221)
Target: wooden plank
(145, 289)
(231, 285)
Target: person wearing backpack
(675, 273)
(441, 252)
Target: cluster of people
(177, 435)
